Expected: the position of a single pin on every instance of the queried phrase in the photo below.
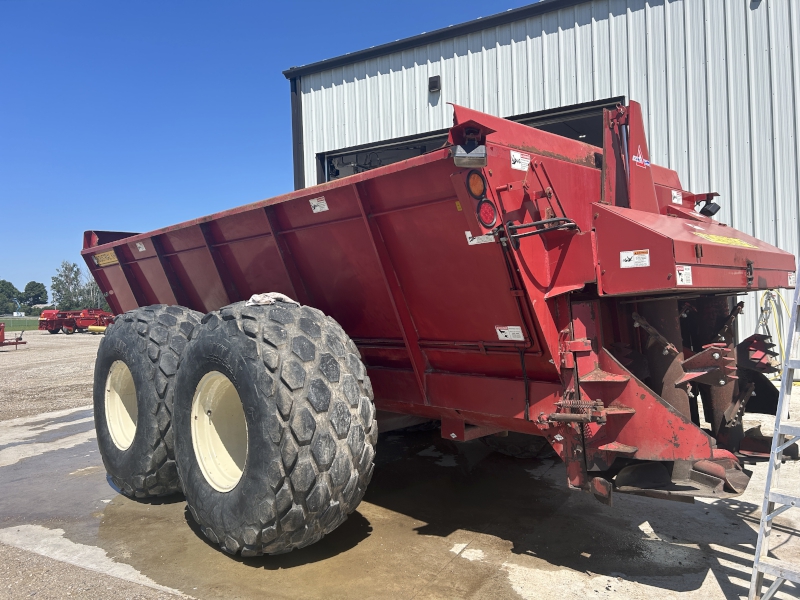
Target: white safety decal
(630, 259)
(510, 332)
(520, 161)
(792, 279)
(677, 197)
(684, 275)
(480, 239)
(318, 204)
(140, 246)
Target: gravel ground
(50, 372)
(27, 575)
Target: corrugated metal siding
(718, 80)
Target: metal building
(718, 81)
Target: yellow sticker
(105, 258)
(458, 206)
(728, 241)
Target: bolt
(453, 435)
(551, 361)
(636, 324)
(665, 352)
(715, 356)
(596, 215)
(722, 382)
(208, 413)
(669, 275)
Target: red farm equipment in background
(71, 321)
(511, 281)
(15, 341)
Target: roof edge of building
(511, 15)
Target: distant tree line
(34, 293)
(72, 288)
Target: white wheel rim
(122, 410)
(219, 431)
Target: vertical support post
(181, 297)
(401, 310)
(133, 283)
(299, 291)
(219, 262)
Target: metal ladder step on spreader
(778, 500)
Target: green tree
(67, 287)
(8, 294)
(75, 290)
(91, 296)
(35, 293)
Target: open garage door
(577, 121)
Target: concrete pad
(439, 520)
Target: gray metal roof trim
(511, 15)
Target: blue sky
(136, 115)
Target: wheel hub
(122, 410)
(219, 431)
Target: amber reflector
(476, 185)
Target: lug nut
(722, 382)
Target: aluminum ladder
(786, 433)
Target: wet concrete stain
(513, 524)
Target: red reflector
(487, 214)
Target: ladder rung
(778, 568)
(783, 497)
(792, 364)
(790, 427)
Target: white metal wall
(718, 80)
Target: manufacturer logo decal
(640, 160)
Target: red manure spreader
(511, 284)
(70, 321)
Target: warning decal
(140, 246)
(728, 241)
(677, 197)
(631, 259)
(792, 279)
(520, 161)
(684, 275)
(481, 239)
(510, 332)
(318, 204)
